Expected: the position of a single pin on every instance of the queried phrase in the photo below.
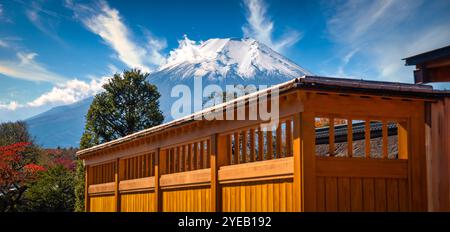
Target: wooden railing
(240, 166)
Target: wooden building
(235, 165)
(434, 67)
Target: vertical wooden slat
(331, 146)
(356, 194)
(380, 195)
(369, 194)
(189, 157)
(202, 154)
(195, 156)
(260, 144)
(344, 194)
(244, 146)
(229, 149)
(403, 195)
(331, 194)
(367, 138)
(350, 137)
(392, 195)
(252, 145)
(288, 138)
(385, 139)
(269, 137)
(320, 185)
(402, 130)
(236, 154)
(279, 139)
(208, 153)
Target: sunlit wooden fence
(239, 166)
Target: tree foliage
(128, 104)
(53, 191)
(16, 175)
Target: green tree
(53, 191)
(79, 187)
(128, 104)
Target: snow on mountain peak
(223, 57)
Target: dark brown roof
(433, 55)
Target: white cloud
(260, 27)
(44, 20)
(27, 68)
(70, 92)
(381, 33)
(106, 22)
(13, 105)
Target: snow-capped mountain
(217, 61)
(223, 62)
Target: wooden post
(297, 167)
(218, 158)
(158, 198)
(116, 186)
(86, 189)
(214, 173)
(308, 162)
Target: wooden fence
(239, 166)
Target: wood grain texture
(258, 196)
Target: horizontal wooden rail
(186, 179)
(97, 189)
(360, 167)
(141, 184)
(261, 170)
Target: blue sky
(59, 52)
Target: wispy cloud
(106, 22)
(382, 33)
(13, 105)
(260, 26)
(27, 68)
(44, 20)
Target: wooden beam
(308, 162)
(215, 204)
(296, 149)
(116, 185)
(86, 188)
(158, 168)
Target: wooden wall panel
(361, 194)
(138, 202)
(261, 196)
(186, 200)
(102, 203)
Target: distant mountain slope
(60, 126)
(216, 61)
